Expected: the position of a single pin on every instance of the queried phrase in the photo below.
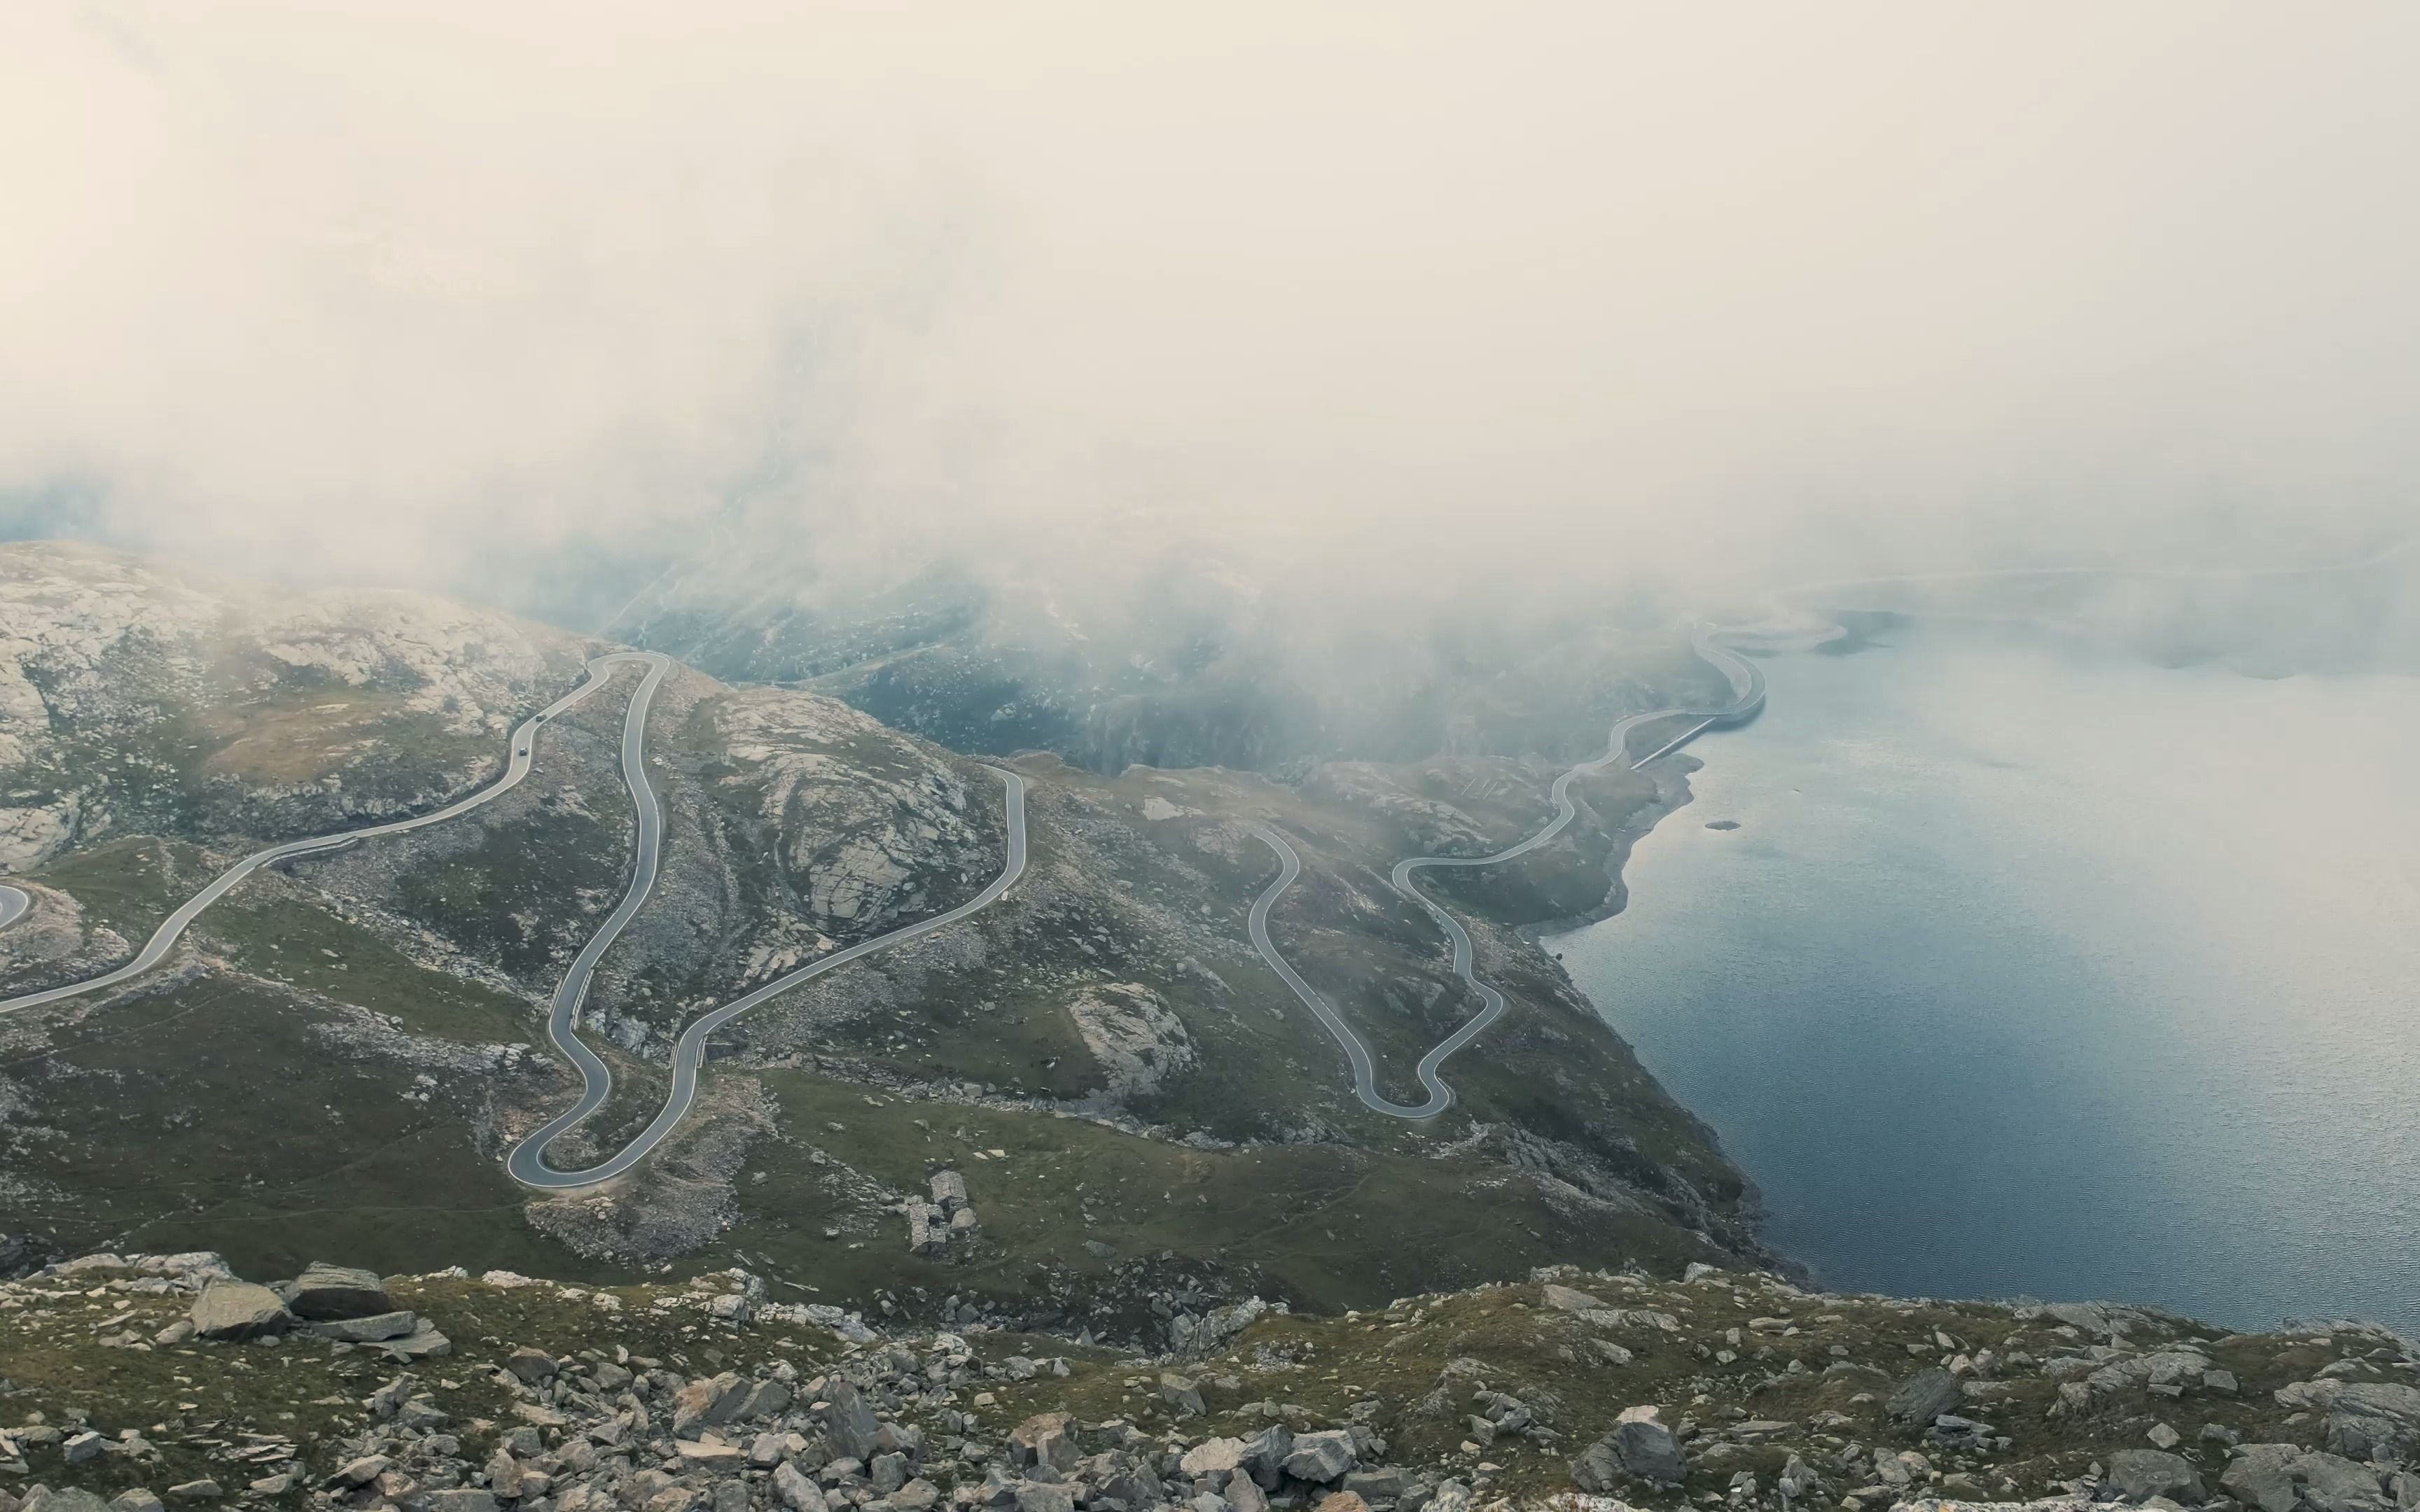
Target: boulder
(323, 1291)
(1214, 1457)
(888, 1472)
(238, 1310)
(68, 1499)
(359, 1471)
(2139, 1475)
(2335, 1484)
(1343, 1501)
(2375, 1420)
(707, 1403)
(1923, 1397)
(1320, 1458)
(531, 1366)
(1043, 1439)
(422, 1343)
(1648, 1452)
(850, 1423)
(709, 1456)
(1037, 1496)
(1180, 1393)
(1387, 1483)
(137, 1500)
(766, 1398)
(1265, 1455)
(1598, 1469)
(459, 1499)
(374, 1329)
(1797, 1480)
(796, 1493)
(1570, 1299)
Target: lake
(2035, 969)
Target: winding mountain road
(527, 1163)
(516, 766)
(1747, 695)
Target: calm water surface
(2032, 969)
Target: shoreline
(1673, 794)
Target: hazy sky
(1632, 286)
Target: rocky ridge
(152, 1379)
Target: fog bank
(1330, 299)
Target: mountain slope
(352, 1040)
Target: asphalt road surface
(13, 904)
(1747, 695)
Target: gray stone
(1320, 1458)
(422, 1343)
(531, 1366)
(194, 1490)
(1043, 1439)
(1037, 1496)
(1797, 1480)
(796, 1493)
(713, 1457)
(2335, 1484)
(850, 1423)
(1180, 1393)
(324, 1291)
(361, 1472)
(888, 1472)
(2375, 1420)
(238, 1310)
(1923, 1397)
(1244, 1495)
(1215, 1457)
(1598, 1469)
(68, 1499)
(708, 1403)
(83, 1446)
(1265, 1455)
(459, 1499)
(1571, 1300)
(137, 1500)
(374, 1329)
(1648, 1452)
(1386, 1483)
(2221, 1382)
(766, 1398)
(918, 1495)
(2139, 1475)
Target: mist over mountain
(1395, 314)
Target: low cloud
(1338, 296)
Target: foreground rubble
(137, 1383)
